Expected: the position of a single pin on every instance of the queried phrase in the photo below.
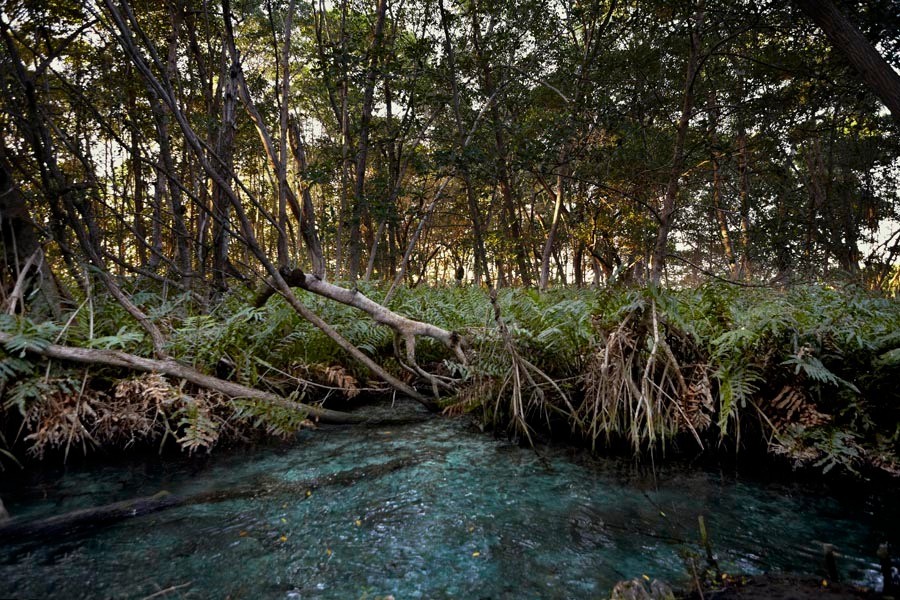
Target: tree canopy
(531, 142)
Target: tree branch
(116, 358)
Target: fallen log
(117, 358)
(405, 330)
(77, 521)
(404, 326)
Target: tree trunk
(504, 177)
(285, 89)
(862, 55)
(116, 358)
(554, 224)
(22, 532)
(721, 215)
(578, 263)
(308, 220)
(849, 255)
(137, 173)
(816, 190)
(744, 197)
(722, 220)
(276, 160)
(667, 214)
(344, 210)
(182, 239)
(159, 193)
(224, 152)
(23, 259)
(360, 204)
(405, 329)
(60, 193)
(373, 250)
(482, 271)
(340, 110)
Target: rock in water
(636, 590)
(660, 590)
(3, 514)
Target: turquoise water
(462, 515)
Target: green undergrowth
(809, 373)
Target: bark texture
(858, 50)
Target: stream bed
(459, 514)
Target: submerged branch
(90, 518)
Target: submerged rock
(636, 590)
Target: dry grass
(144, 409)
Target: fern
(274, 420)
(198, 430)
(13, 368)
(29, 336)
(27, 392)
(812, 367)
(122, 339)
(738, 383)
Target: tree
(858, 51)
(173, 146)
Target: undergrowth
(807, 373)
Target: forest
(166, 167)
(643, 228)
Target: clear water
(469, 516)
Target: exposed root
(520, 397)
(637, 388)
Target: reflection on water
(467, 517)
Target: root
(526, 397)
(637, 388)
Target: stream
(459, 515)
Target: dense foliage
(531, 141)
(163, 162)
(806, 373)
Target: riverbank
(804, 375)
(755, 587)
(786, 587)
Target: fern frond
(737, 385)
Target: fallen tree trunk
(116, 358)
(405, 329)
(108, 514)
(403, 326)
(87, 517)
